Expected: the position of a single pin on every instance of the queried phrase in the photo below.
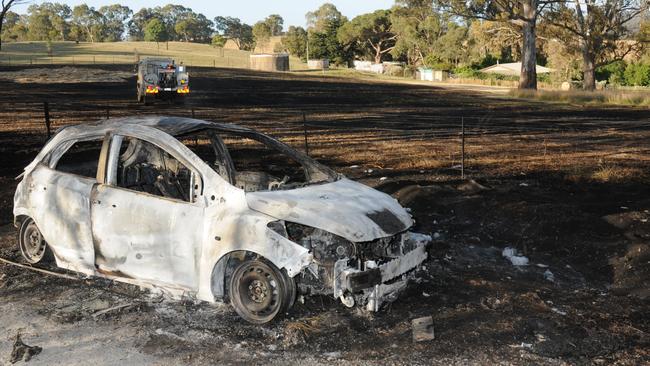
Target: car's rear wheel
(32, 245)
(258, 291)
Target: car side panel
(146, 237)
(59, 203)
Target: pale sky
(249, 11)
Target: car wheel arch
(223, 269)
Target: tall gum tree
(5, 5)
(370, 32)
(600, 30)
(522, 13)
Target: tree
(113, 18)
(322, 18)
(521, 13)
(275, 23)
(171, 15)
(218, 40)
(261, 34)
(235, 30)
(371, 33)
(51, 21)
(5, 5)
(194, 27)
(13, 27)
(322, 34)
(40, 25)
(417, 26)
(596, 28)
(295, 41)
(138, 23)
(451, 47)
(89, 20)
(494, 41)
(155, 31)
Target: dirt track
(566, 186)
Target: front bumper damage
(381, 283)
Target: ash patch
(387, 221)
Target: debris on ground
(548, 275)
(472, 187)
(422, 329)
(331, 356)
(22, 351)
(512, 255)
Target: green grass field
(71, 53)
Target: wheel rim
(259, 293)
(32, 244)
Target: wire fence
(460, 143)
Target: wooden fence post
(462, 147)
(304, 128)
(46, 110)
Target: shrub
(613, 72)
(637, 74)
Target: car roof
(174, 126)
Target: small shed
(270, 62)
(433, 75)
(323, 64)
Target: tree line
(580, 39)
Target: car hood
(346, 208)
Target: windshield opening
(255, 162)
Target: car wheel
(32, 245)
(290, 293)
(258, 291)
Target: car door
(60, 192)
(146, 223)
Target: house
(512, 69)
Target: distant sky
(249, 11)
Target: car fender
(247, 231)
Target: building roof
(513, 68)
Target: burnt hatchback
(211, 211)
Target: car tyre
(258, 291)
(32, 245)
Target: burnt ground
(566, 185)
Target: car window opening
(145, 167)
(82, 158)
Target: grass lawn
(191, 54)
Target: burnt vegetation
(564, 185)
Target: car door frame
(109, 159)
(81, 257)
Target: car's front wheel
(32, 245)
(258, 291)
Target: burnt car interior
(249, 164)
(145, 167)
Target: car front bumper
(377, 284)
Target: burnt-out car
(211, 211)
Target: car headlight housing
(326, 247)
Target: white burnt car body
(159, 202)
